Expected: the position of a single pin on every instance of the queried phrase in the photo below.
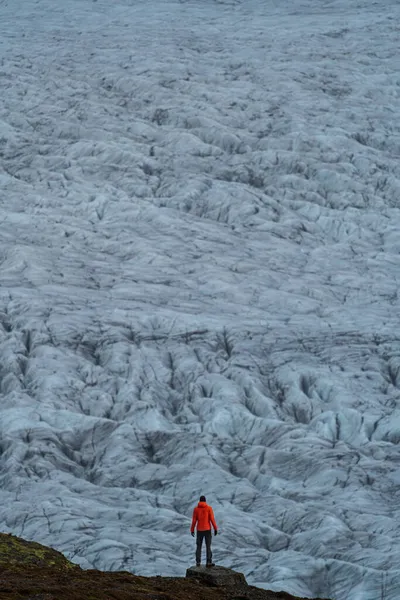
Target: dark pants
(203, 535)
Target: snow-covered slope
(200, 260)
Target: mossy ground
(17, 552)
(31, 571)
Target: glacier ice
(199, 250)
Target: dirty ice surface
(199, 276)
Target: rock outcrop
(32, 571)
(216, 576)
(18, 553)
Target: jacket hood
(202, 504)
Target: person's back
(203, 518)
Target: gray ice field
(199, 276)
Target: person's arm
(213, 523)
(195, 518)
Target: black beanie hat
(202, 498)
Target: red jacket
(203, 516)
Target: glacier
(199, 286)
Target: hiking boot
(197, 564)
(210, 565)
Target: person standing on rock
(203, 517)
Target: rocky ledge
(31, 571)
(217, 576)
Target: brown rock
(30, 571)
(216, 576)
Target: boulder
(216, 576)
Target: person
(203, 517)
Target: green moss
(16, 552)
